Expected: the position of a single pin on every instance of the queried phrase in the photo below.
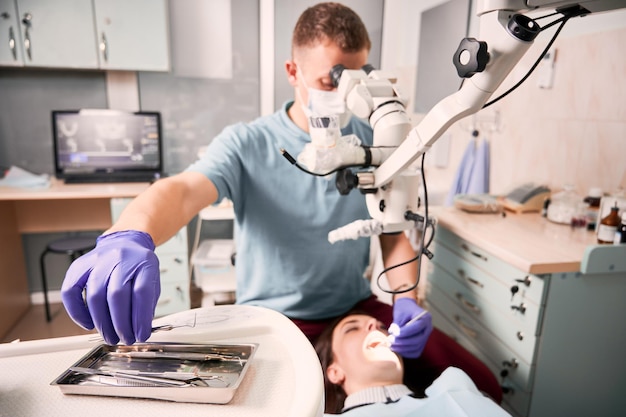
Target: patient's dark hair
(332, 21)
(335, 396)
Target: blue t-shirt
(282, 218)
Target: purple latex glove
(122, 283)
(410, 328)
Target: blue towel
(472, 176)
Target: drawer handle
(476, 254)
(525, 281)
(470, 279)
(467, 303)
(466, 329)
(520, 336)
(507, 390)
(513, 363)
(521, 308)
(163, 301)
(163, 270)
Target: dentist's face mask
(324, 103)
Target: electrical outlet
(545, 70)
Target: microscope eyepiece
(335, 74)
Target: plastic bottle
(608, 226)
(564, 205)
(620, 234)
(593, 198)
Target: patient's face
(362, 352)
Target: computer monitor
(107, 145)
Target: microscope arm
(505, 51)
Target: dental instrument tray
(196, 373)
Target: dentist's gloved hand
(121, 279)
(409, 338)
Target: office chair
(74, 247)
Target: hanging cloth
(472, 176)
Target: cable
(295, 163)
(562, 20)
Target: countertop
(59, 190)
(527, 241)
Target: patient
(363, 377)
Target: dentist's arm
(411, 325)
(120, 276)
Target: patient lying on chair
(363, 377)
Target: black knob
(471, 57)
(514, 290)
(346, 181)
(504, 373)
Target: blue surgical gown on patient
(282, 219)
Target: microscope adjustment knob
(471, 57)
(345, 181)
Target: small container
(608, 226)
(620, 233)
(564, 206)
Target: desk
(59, 208)
(285, 377)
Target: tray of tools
(197, 373)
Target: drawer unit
(476, 290)
(516, 400)
(521, 285)
(504, 360)
(174, 298)
(481, 292)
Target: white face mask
(324, 103)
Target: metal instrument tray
(197, 373)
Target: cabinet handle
(466, 329)
(520, 336)
(521, 308)
(27, 21)
(104, 47)
(525, 281)
(163, 270)
(507, 390)
(467, 303)
(12, 43)
(163, 301)
(476, 254)
(470, 279)
(513, 363)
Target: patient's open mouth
(376, 340)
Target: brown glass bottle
(608, 225)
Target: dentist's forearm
(167, 206)
(397, 249)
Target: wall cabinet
(550, 337)
(132, 35)
(173, 265)
(85, 34)
(10, 50)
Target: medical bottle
(593, 199)
(620, 234)
(608, 226)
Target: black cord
(295, 163)
(423, 248)
(562, 20)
